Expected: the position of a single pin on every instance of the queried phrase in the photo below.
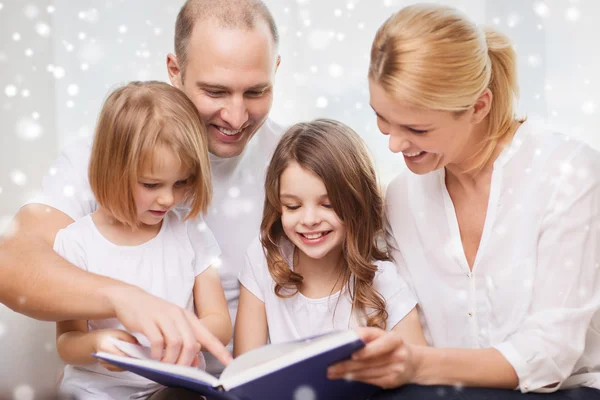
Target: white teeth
(413, 154)
(228, 132)
(313, 235)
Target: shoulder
(556, 157)
(255, 252)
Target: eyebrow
(294, 197)
(412, 126)
(208, 85)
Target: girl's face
(160, 188)
(428, 139)
(307, 217)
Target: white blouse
(534, 291)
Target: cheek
(259, 108)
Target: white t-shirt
(534, 290)
(234, 215)
(299, 317)
(165, 266)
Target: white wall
(52, 93)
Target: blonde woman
(496, 225)
(150, 173)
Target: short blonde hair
(136, 119)
(434, 57)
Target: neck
(322, 275)
(119, 233)
(465, 172)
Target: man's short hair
(243, 14)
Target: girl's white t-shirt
(298, 317)
(534, 290)
(165, 266)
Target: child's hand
(104, 343)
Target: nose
(310, 216)
(165, 198)
(235, 113)
(398, 143)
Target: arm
(388, 361)
(37, 282)
(211, 305)
(75, 345)
(409, 329)
(251, 329)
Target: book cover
(284, 371)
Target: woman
(495, 226)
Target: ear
(482, 106)
(277, 63)
(174, 71)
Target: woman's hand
(385, 361)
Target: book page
(272, 357)
(178, 370)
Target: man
(225, 61)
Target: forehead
(400, 112)
(232, 57)
(298, 181)
(163, 162)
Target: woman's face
(428, 139)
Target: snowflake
(202, 226)
(28, 129)
(42, 29)
(589, 108)
(10, 90)
(16, 36)
(73, 89)
(335, 70)
(337, 12)
(28, 52)
(18, 177)
(541, 9)
(68, 191)
(305, 393)
(321, 102)
(319, 39)
(216, 262)
(234, 192)
(31, 11)
(23, 392)
(572, 14)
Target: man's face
(229, 77)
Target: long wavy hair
(338, 156)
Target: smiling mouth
(229, 132)
(313, 236)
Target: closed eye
(150, 185)
(417, 131)
(327, 205)
(292, 208)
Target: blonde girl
(150, 174)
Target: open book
(284, 371)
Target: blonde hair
(135, 120)
(433, 57)
(338, 156)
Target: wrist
(419, 364)
(114, 294)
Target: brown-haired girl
(497, 221)
(150, 173)
(318, 265)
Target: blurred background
(59, 59)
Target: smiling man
(225, 61)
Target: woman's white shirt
(534, 290)
(298, 317)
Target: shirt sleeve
(398, 296)
(251, 273)
(204, 244)
(69, 246)
(566, 295)
(66, 186)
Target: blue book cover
(285, 371)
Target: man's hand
(169, 328)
